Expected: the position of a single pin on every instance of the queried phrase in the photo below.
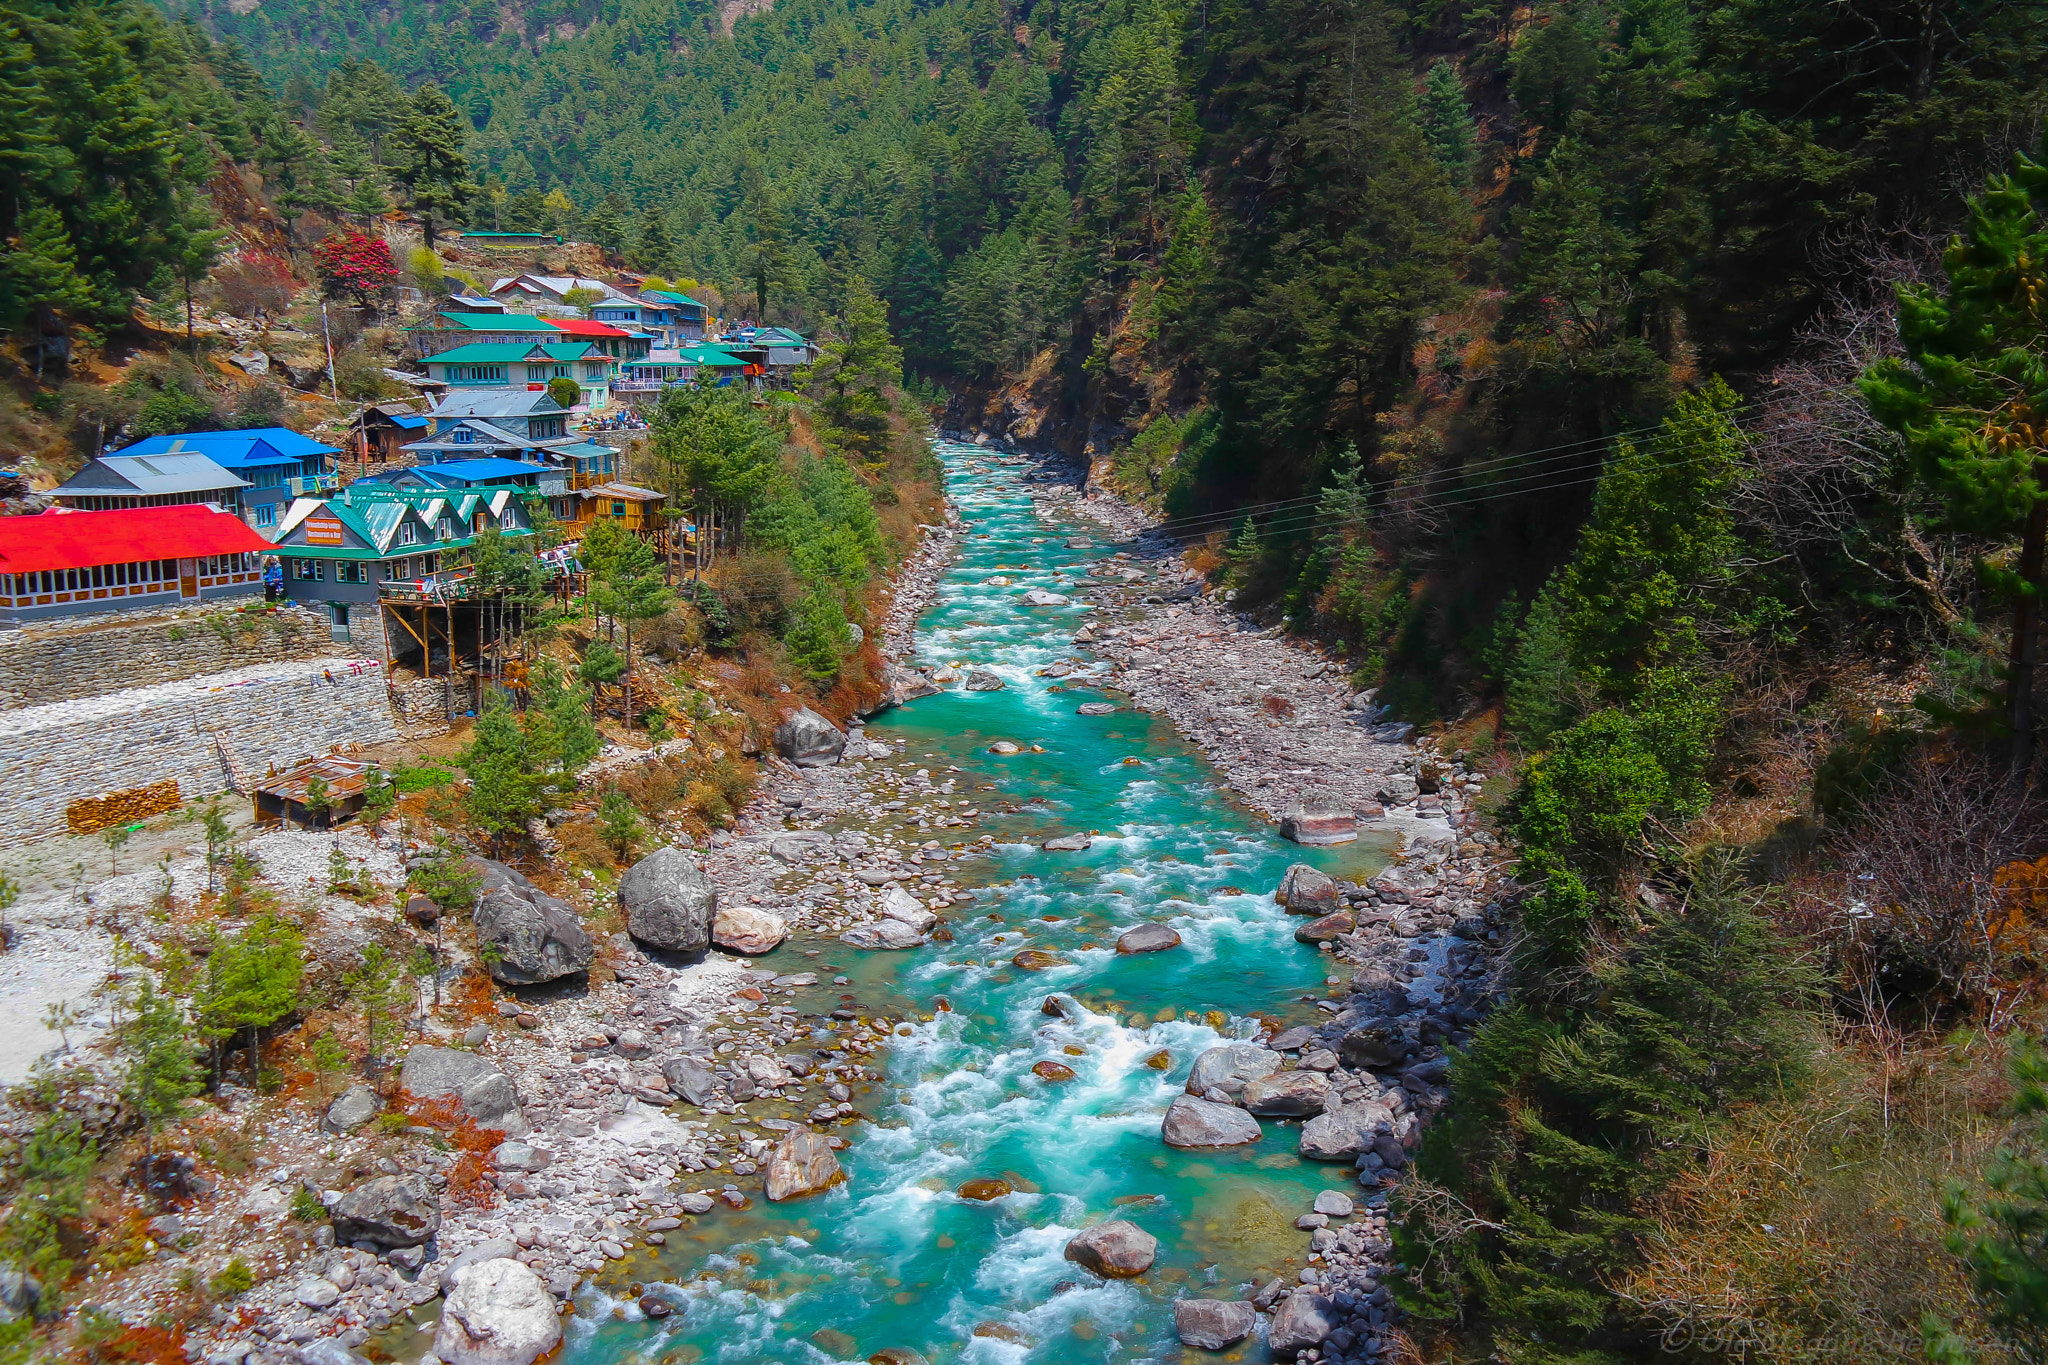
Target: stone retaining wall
(271, 716)
(99, 655)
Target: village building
(641, 381)
(451, 328)
(278, 463)
(293, 798)
(501, 366)
(548, 293)
(673, 320)
(464, 475)
(382, 429)
(530, 414)
(65, 563)
(619, 343)
(340, 550)
(115, 481)
(625, 505)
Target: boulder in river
(389, 1210)
(1325, 929)
(1287, 1094)
(1230, 1066)
(808, 740)
(669, 902)
(1199, 1123)
(1039, 597)
(1068, 843)
(500, 1314)
(527, 936)
(1037, 960)
(1213, 1324)
(744, 929)
(485, 1092)
(1303, 1319)
(1342, 1133)
(1095, 708)
(899, 904)
(1376, 1046)
(1319, 817)
(1052, 1071)
(802, 1163)
(883, 935)
(1148, 938)
(981, 680)
(1305, 891)
(1116, 1250)
(691, 1079)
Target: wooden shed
(282, 798)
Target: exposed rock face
(390, 1210)
(1148, 938)
(1319, 817)
(1213, 1324)
(808, 740)
(1115, 1250)
(499, 1314)
(356, 1107)
(1305, 891)
(1287, 1094)
(669, 902)
(486, 1093)
(1342, 1133)
(1302, 1320)
(802, 1163)
(884, 933)
(526, 935)
(743, 929)
(1229, 1067)
(1201, 1123)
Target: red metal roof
(589, 327)
(78, 540)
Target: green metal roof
(498, 322)
(373, 514)
(512, 352)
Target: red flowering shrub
(354, 265)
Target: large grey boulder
(493, 1249)
(883, 934)
(20, 1292)
(1213, 1324)
(1287, 1094)
(801, 1163)
(899, 904)
(524, 935)
(389, 1210)
(1229, 1067)
(669, 901)
(691, 1079)
(1305, 891)
(1116, 1250)
(1342, 1133)
(1200, 1123)
(808, 740)
(1302, 1320)
(1376, 1046)
(486, 1093)
(500, 1314)
(356, 1107)
(981, 680)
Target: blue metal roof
(409, 422)
(475, 471)
(230, 448)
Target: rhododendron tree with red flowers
(354, 265)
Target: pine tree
(606, 226)
(655, 250)
(40, 270)
(1447, 121)
(1968, 396)
(428, 159)
(350, 157)
(286, 157)
(506, 782)
(155, 1042)
(251, 982)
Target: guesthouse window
(408, 533)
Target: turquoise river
(895, 1258)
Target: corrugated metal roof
(230, 448)
(497, 403)
(151, 476)
(78, 540)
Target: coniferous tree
(429, 160)
(1447, 121)
(655, 250)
